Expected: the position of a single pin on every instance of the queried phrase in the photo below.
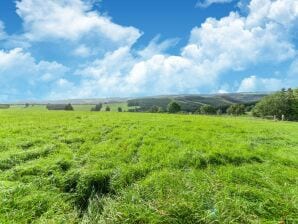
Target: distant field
(84, 167)
(77, 107)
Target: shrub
(69, 107)
(119, 109)
(236, 109)
(97, 107)
(108, 108)
(207, 109)
(174, 107)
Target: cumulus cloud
(157, 47)
(230, 43)
(207, 3)
(21, 76)
(217, 47)
(73, 26)
(105, 63)
(2, 32)
(282, 12)
(82, 51)
(254, 83)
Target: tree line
(282, 105)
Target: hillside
(83, 167)
(192, 102)
(187, 101)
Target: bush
(236, 109)
(174, 107)
(119, 109)
(108, 108)
(69, 107)
(207, 109)
(97, 107)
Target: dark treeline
(59, 107)
(281, 105)
(4, 106)
(178, 107)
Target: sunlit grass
(87, 167)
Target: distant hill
(187, 102)
(192, 102)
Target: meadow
(95, 167)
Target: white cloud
(117, 63)
(282, 12)
(106, 64)
(207, 3)
(230, 44)
(2, 31)
(121, 74)
(21, 75)
(72, 21)
(157, 47)
(253, 84)
(82, 51)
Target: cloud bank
(94, 57)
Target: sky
(61, 49)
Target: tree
(97, 107)
(174, 107)
(119, 109)
(68, 107)
(236, 109)
(284, 102)
(207, 109)
(108, 108)
(154, 109)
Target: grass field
(84, 167)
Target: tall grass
(84, 167)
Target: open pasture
(84, 167)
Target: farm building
(59, 107)
(4, 106)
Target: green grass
(85, 167)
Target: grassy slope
(70, 167)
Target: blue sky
(107, 48)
